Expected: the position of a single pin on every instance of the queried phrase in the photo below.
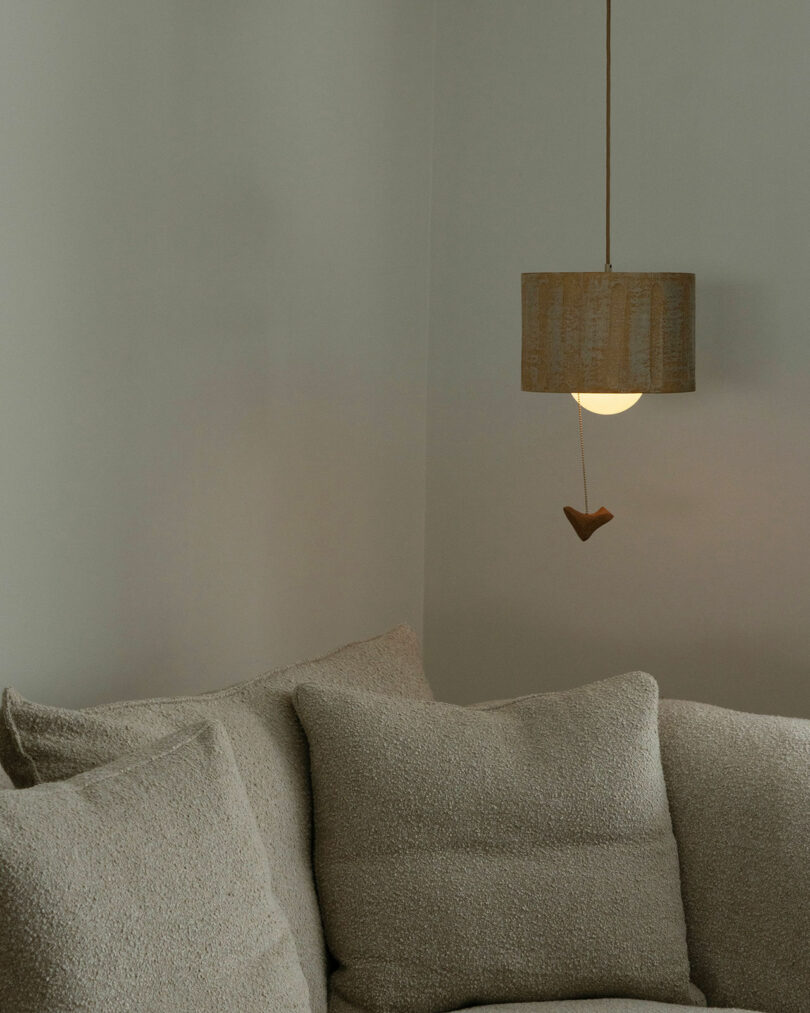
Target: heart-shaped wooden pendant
(586, 524)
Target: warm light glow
(606, 404)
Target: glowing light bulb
(606, 404)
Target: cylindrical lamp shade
(608, 332)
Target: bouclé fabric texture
(39, 743)
(739, 790)
(593, 1006)
(143, 887)
(510, 854)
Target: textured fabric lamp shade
(608, 332)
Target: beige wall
(214, 263)
(703, 578)
(213, 260)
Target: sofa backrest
(739, 794)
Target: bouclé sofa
(329, 837)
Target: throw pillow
(512, 854)
(739, 790)
(143, 886)
(40, 743)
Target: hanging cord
(582, 451)
(607, 228)
(607, 143)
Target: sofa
(328, 837)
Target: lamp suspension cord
(607, 142)
(582, 449)
(607, 229)
(607, 226)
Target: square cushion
(739, 791)
(515, 853)
(39, 743)
(143, 886)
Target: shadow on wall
(518, 655)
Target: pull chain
(582, 453)
(585, 524)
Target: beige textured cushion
(143, 886)
(519, 853)
(739, 790)
(5, 780)
(40, 743)
(591, 1006)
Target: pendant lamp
(607, 337)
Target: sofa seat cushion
(739, 791)
(502, 855)
(594, 1006)
(39, 743)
